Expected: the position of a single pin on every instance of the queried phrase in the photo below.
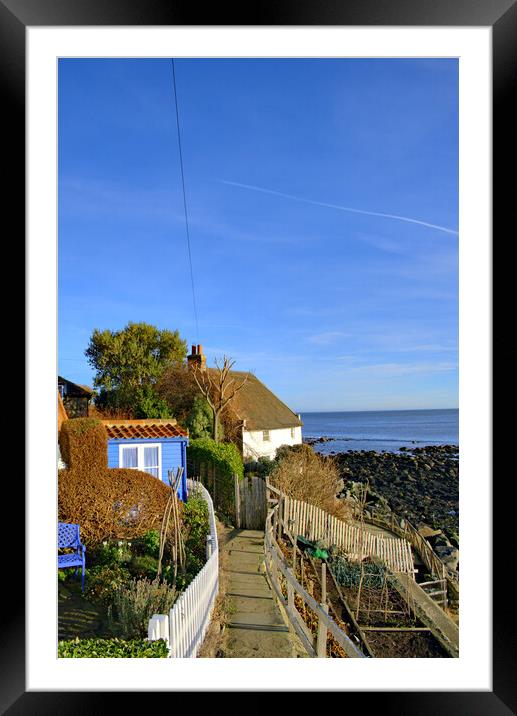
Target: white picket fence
(316, 524)
(184, 628)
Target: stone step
(258, 643)
(254, 603)
(249, 589)
(252, 619)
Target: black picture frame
(501, 15)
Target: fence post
(237, 501)
(321, 644)
(290, 595)
(281, 515)
(158, 628)
(208, 547)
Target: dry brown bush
(112, 504)
(107, 503)
(83, 444)
(304, 475)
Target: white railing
(184, 628)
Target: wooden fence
(316, 524)
(279, 571)
(250, 502)
(429, 557)
(184, 628)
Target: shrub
(102, 582)
(151, 543)
(287, 450)
(107, 503)
(224, 456)
(111, 504)
(195, 524)
(136, 602)
(112, 553)
(83, 445)
(112, 649)
(200, 419)
(304, 475)
(261, 467)
(144, 566)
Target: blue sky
(323, 207)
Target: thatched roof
(259, 407)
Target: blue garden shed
(153, 446)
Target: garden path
(256, 627)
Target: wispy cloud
(384, 370)
(328, 338)
(339, 207)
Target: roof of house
(147, 428)
(74, 389)
(261, 409)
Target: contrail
(340, 208)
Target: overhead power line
(185, 200)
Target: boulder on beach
(426, 531)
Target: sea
(381, 430)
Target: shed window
(152, 460)
(266, 436)
(141, 457)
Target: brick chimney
(196, 358)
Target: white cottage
(267, 422)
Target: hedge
(225, 456)
(83, 444)
(107, 503)
(112, 649)
(117, 503)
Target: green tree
(200, 419)
(148, 404)
(128, 364)
(179, 390)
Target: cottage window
(292, 433)
(141, 457)
(266, 436)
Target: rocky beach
(420, 484)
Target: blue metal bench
(68, 538)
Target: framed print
(43, 44)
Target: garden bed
(126, 583)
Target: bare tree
(218, 388)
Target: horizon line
(373, 410)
